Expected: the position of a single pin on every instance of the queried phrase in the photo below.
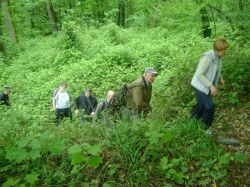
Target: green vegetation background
(90, 50)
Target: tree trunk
(241, 7)
(8, 21)
(32, 22)
(222, 14)
(1, 35)
(100, 12)
(205, 23)
(51, 15)
(121, 15)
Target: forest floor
(234, 122)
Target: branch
(222, 13)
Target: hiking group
(133, 100)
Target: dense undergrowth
(167, 149)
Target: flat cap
(150, 70)
(7, 88)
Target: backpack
(119, 99)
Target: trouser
(204, 109)
(103, 118)
(86, 119)
(61, 113)
(128, 114)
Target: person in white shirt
(61, 103)
(205, 80)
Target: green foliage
(236, 73)
(31, 178)
(90, 50)
(56, 146)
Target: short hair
(64, 84)
(220, 44)
(88, 90)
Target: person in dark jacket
(103, 111)
(140, 92)
(85, 105)
(4, 97)
(103, 105)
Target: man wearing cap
(140, 92)
(86, 104)
(4, 97)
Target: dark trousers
(61, 113)
(204, 109)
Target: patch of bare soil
(234, 122)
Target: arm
(77, 102)
(95, 104)
(222, 81)
(201, 70)
(99, 108)
(54, 100)
(1, 99)
(54, 104)
(77, 106)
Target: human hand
(222, 82)
(76, 112)
(150, 109)
(213, 90)
(54, 108)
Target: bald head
(110, 95)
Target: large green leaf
(94, 161)
(164, 163)
(31, 178)
(36, 143)
(11, 182)
(92, 149)
(23, 142)
(56, 146)
(35, 154)
(77, 158)
(16, 154)
(74, 149)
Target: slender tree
(1, 35)
(206, 30)
(8, 21)
(51, 15)
(241, 8)
(205, 23)
(121, 15)
(35, 13)
(220, 12)
(100, 12)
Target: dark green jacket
(139, 95)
